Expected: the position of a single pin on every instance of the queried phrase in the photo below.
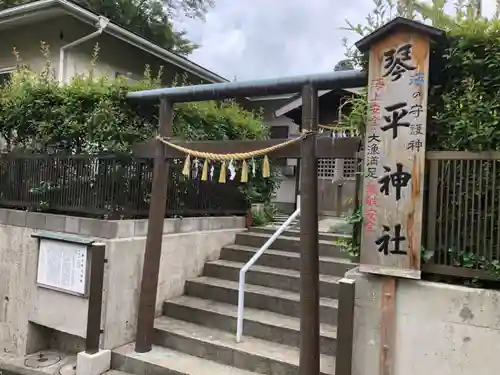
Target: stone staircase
(280, 219)
(196, 334)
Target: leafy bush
(91, 115)
(465, 101)
(262, 216)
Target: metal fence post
(345, 327)
(97, 252)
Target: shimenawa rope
(231, 157)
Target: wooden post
(152, 254)
(339, 203)
(356, 229)
(297, 183)
(432, 204)
(345, 327)
(309, 255)
(339, 184)
(97, 251)
(387, 326)
(394, 160)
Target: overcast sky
(250, 39)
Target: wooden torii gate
(309, 151)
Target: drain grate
(42, 359)
(68, 369)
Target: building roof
(36, 10)
(398, 23)
(296, 101)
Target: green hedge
(91, 115)
(464, 98)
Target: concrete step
(281, 215)
(335, 225)
(258, 297)
(260, 324)
(286, 260)
(116, 372)
(269, 230)
(290, 244)
(251, 354)
(278, 278)
(295, 232)
(164, 361)
(282, 218)
(278, 223)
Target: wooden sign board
(395, 155)
(63, 266)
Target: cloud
(248, 39)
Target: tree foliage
(151, 19)
(463, 96)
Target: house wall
(26, 40)
(187, 245)
(115, 56)
(285, 195)
(439, 328)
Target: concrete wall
(187, 244)
(183, 257)
(440, 329)
(113, 57)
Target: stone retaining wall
(187, 244)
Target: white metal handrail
(250, 263)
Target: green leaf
(427, 255)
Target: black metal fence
(461, 219)
(112, 186)
(463, 213)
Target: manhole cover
(42, 359)
(68, 369)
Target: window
(327, 169)
(5, 75)
(279, 132)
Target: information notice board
(63, 266)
